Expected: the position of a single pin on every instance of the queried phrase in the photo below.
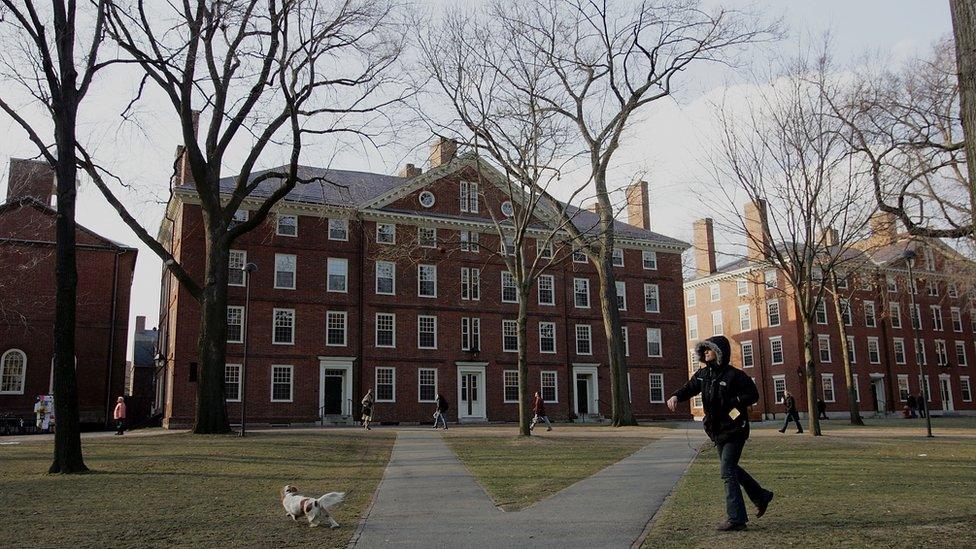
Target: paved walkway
(428, 498)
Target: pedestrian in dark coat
(920, 402)
(791, 414)
(539, 412)
(726, 394)
(821, 409)
(440, 415)
(912, 406)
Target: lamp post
(247, 269)
(909, 255)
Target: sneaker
(782, 430)
(729, 526)
(764, 504)
(799, 432)
(549, 429)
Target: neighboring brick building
(27, 295)
(750, 305)
(139, 373)
(352, 316)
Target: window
(870, 319)
(235, 324)
(898, 345)
(546, 285)
(511, 381)
(427, 237)
(693, 327)
(652, 301)
(972, 320)
(509, 290)
(281, 383)
(338, 273)
(386, 278)
(952, 290)
(856, 387)
(745, 318)
(874, 353)
(921, 357)
(691, 298)
(748, 356)
(714, 292)
(903, 391)
(772, 312)
(426, 332)
(581, 293)
(427, 280)
(625, 333)
(845, 312)
(13, 370)
(618, 257)
(827, 381)
(470, 334)
(928, 388)
(507, 245)
(741, 287)
(821, 312)
(469, 241)
(284, 327)
(779, 388)
(776, 349)
(842, 283)
(932, 287)
(549, 385)
(385, 330)
(649, 259)
(339, 229)
(936, 318)
(621, 295)
(894, 311)
(851, 351)
(470, 283)
(427, 383)
(656, 384)
(287, 225)
(235, 268)
(232, 382)
(717, 324)
(892, 284)
(385, 233)
(335, 328)
(578, 255)
(240, 216)
(823, 344)
(386, 385)
(941, 353)
(547, 337)
(654, 342)
(510, 336)
(961, 353)
(544, 249)
(770, 277)
(916, 316)
(285, 271)
(468, 196)
(965, 389)
(584, 343)
(956, 317)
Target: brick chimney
(756, 226)
(442, 151)
(638, 212)
(183, 173)
(140, 324)
(410, 171)
(830, 236)
(594, 206)
(31, 178)
(704, 243)
(884, 229)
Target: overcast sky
(666, 143)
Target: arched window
(13, 369)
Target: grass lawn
(883, 485)
(517, 472)
(188, 490)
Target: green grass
(879, 486)
(517, 472)
(187, 490)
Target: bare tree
(841, 295)
(255, 74)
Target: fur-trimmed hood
(719, 344)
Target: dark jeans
(119, 424)
(736, 478)
(792, 416)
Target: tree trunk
(616, 359)
(212, 346)
(523, 362)
(813, 419)
(964, 32)
(845, 356)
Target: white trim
(589, 332)
(345, 223)
(660, 342)
(419, 317)
(376, 331)
(243, 263)
(513, 323)
(294, 322)
(383, 242)
(345, 328)
(620, 288)
(479, 370)
(419, 384)
(824, 377)
(650, 392)
(294, 273)
(505, 386)
(513, 285)
(291, 382)
(434, 280)
(239, 370)
(553, 325)
(376, 383)
(594, 386)
(644, 255)
(656, 291)
(376, 277)
(552, 290)
(782, 351)
(555, 386)
(241, 318)
(337, 363)
(278, 232)
(575, 304)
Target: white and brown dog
(312, 509)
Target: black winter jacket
(723, 388)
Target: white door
(946, 390)
(585, 391)
(471, 395)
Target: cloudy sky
(666, 144)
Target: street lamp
(247, 269)
(916, 316)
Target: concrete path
(428, 498)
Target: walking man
(539, 411)
(367, 409)
(921, 404)
(440, 415)
(726, 394)
(119, 416)
(791, 414)
(911, 406)
(821, 409)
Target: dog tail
(330, 499)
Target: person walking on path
(440, 415)
(367, 409)
(727, 392)
(920, 400)
(821, 409)
(912, 405)
(119, 416)
(539, 412)
(791, 414)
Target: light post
(247, 269)
(909, 255)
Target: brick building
(750, 304)
(27, 299)
(334, 312)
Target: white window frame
(691, 298)
(291, 382)
(237, 267)
(555, 386)
(961, 353)
(650, 387)
(376, 330)
(345, 327)
(772, 351)
(576, 292)
(240, 318)
(552, 326)
(376, 278)
(621, 291)
(894, 312)
(431, 269)
(741, 287)
(23, 372)
(508, 283)
(745, 318)
(693, 327)
(625, 333)
(653, 333)
(903, 385)
(392, 384)
(470, 287)
(294, 272)
(820, 313)
(588, 331)
(821, 348)
(617, 257)
(420, 384)
(649, 260)
(652, 298)
(469, 241)
(274, 322)
(955, 318)
(895, 344)
(512, 326)
(941, 353)
(339, 227)
(721, 322)
(824, 379)
(779, 395)
(420, 321)
(470, 331)
(873, 341)
(870, 315)
(714, 292)
(773, 303)
(278, 225)
(431, 237)
(334, 267)
(752, 354)
(468, 196)
(851, 349)
(392, 233)
(236, 367)
(506, 385)
(937, 324)
(551, 289)
(965, 388)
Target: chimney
(410, 171)
(140, 324)
(594, 206)
(183, 172)
(884, 229)
(31, 178)
(756, 226)
(704, 243)
(442, 151)
(638, 213)
(830, 236)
